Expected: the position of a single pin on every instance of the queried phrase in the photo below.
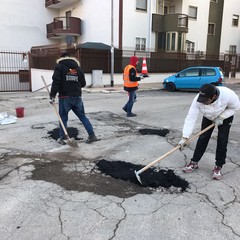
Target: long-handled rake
(137, 173)
(70, 141)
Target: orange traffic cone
(144, 68)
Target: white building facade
(23, 24)
(142, 25)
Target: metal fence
(15, 66)
(93, 59)
(14, 71)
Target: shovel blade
(71, 142)
(138, 177)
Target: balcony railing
(59, 3)
(63, 26)
(170, 22)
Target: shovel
(137, 173)
(70, 141)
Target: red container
(20, 112)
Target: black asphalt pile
(161, 132)
(150, 178)
(72, 132)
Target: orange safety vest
(126, 79)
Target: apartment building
(208, 26)
(23, 24)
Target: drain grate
(150, 178)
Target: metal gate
(14, 71)
(231, 63)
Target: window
(171, 41)
(192, 12)
(182, 20)
(235, 20)
(143, 44)
(172, 9)
(211, 29)
(232, 49)
(165, 10)
(169, 9)
(190, 46)
(190, 73)
(68, 15)
(137, 47)
(175, 41)
(141, 5)
(208, 72)
(140, 44)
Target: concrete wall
(230, 35)
(37, 84)
(135, 24)
(23, 24)
(96, 20)
(198, 28)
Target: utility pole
(112, 46)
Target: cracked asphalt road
(54, 192)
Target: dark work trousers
(222, 141)
(129, 105)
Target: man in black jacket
(68, 79)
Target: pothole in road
(152, 177)
(160, 132)
(72, 132)
(104, 177)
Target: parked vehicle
(194, 78)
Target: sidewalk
(145, 86)
(232, 80)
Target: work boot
(91, 138)
(131, 115)
(217, 173)
(61, 141)
(190, 167)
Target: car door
(188, 78)
(208, 75)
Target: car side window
(208, 72)
(190, 73)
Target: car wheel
(170, 87)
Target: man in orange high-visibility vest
(130, 83)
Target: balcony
(58, 4)
(63, 26)
(176, 22)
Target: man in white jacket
(218, 105)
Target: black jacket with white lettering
(68, 78)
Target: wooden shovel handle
(174, 149)
(56, 111)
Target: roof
(95, 45)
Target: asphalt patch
(152, 177)
(55, 172)
(72, 132)
(160, 132)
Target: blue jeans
(131, 98)
(76, 105)
(222, 141)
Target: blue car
(194, 78)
